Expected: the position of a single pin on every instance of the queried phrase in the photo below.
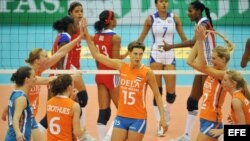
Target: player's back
(103, 41)
(60, 117)
(245, 107)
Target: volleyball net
(25, 25)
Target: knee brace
(154, 102)
(82, 98)
(44, 122)
(104, 115)
(170, 98)
(192, 104)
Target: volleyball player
(39, 62)
(108, 44)
(61, 122)
(236, 85)
(130, 123)
(76, 12)
(246, 55)
(213, 93)
(163, 25)
(195, 13)
(20, 113)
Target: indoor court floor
(178, 113)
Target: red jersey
(245, 107)
(76, 52)
(133, 87)
(103, 41)
(213, 99)
(62, 37)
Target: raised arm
(201, 64)
(65, 49)
(112, 63)
(153, 85)
(146, 28)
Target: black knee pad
(170, 98)
(82, 98)
(192, 104)
(154, 102)
(104, 115)
(44, 122)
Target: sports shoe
(181, 138)
(107, 138)
(160, 132)
(87, 137)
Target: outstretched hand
(83, 28)
(165, 47)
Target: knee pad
(170, 98)
(82, 98)
(104, 115)
(44, 122)
(192, 104)
(154, 102)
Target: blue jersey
(24, 121)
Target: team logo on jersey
(170, 21)
(138, 79)
(101, 38)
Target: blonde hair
(241, 83)
(34, 54)
(222, 52)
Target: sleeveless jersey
(133, 85)
(60, 118)
(63, 37)
(163, 30)
(33, 96)
(25, 119)
(76, 52)
(209, 41)
(213, 99)
(246, 107)
(103, 41)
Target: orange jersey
(246, 107)
(60, 119)
(33, 96)
(213, 99)
(133, 85)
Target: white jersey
(209, 41)
(162, 30)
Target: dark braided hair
(200, 6)
(104, 20)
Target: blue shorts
(136, 125)
(33, 123)
(206, 125)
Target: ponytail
(200, 6)
(207, 11)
